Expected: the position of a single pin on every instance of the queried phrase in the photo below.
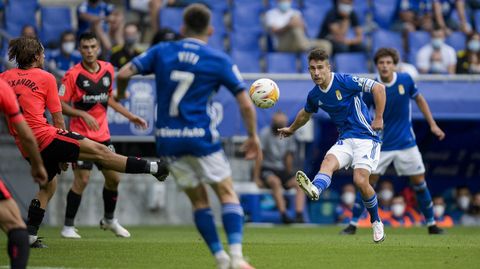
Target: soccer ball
(264, 93)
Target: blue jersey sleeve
(145, 61)
(368, 99)
(311, 106)
(231, 77)
(358, 84)
(412, 89)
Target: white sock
(236, 250)
(221, 255)
(153, 167)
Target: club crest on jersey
(106, 81)
(339, 95)
(401, 89)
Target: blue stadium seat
(384, 38)
(314, 17)
(19, 14)
(217, 41)
(477, 20)
(362, 9)
(244, 40)
(351, 63)
(281, 62)
(218, 23)
(457, 40)
(247, 61)
(217, 5)
(171, 17)
(54, 21)
(273, 3)
(247, 17)
(384, 12)
(416, 40)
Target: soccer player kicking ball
(358, 144)
(86, 93)
(399, 146)
(36, 91)
(10, 218)
(188, 73)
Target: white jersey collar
(195, 40)
(390, 84)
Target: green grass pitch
(273, 247)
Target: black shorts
(63, 148)
(4, 193)
(283, 175)
(88, 165)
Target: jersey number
(184, 80)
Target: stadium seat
(218, 22)
(247, 16)
(244, 40)
(384, 12)
(273, 3)
(171, 17)
(314, 17)
(416, 40)
(351, 63)
(477, 20)
(247, 61)
(362, 9)
(281, 62)
(217, 41)
(217, 5)
(457, 40)
(384, 38)
(18, 14)
(54, 21)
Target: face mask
(68, 47)
(386, 195)
(345, 8)
(284, 6)
(474, 45)
(129, 41)
(398, 209)
(348, 198)
(437, 43)
(437, 67)
(438, 210)
(463, 202)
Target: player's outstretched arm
(302, 118)
(252, 145)
(29, 144)
(423, 106)
(379, 98)
(127, 114)
(72, 112)
(123, 76)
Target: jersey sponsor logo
(401, 89)
(98, 98)
(339, 95)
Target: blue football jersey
(63, 63)
(397, 132)
(343, 102)
(188, 73)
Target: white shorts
(356, 153)
(407, 162)
(190, 171)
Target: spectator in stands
(116, 27)
(398, 214)
(337, 25)
(122, 54)
(443, 10)
(472, 218)
(276, 170)
(437, 57)
(151, 7)
(164, 34)
(468, 61)
(439, 206)
(343, 212)
(29, 31)
(93, 15)
(414, 15)
(287, 29)
(462, 198)
(385, 194)
(67, 56)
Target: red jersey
(8, 104)
(89, 92)
(36, 90)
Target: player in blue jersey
(399, 146)
(358, 144)
(188, 73)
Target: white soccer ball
(264, 93)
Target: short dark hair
(196, 18)
(65, 33)
(318, 55)
(385, 52)
(87, 36)
(24, 50)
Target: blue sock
(357, 209)
(425, 202)
(232, 217)
(206, 226)
(322, 181)
(372, 206)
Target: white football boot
(307, 186)
(378, 234)
(115, 227)
(70, 232)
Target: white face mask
(437, 43)
(463, 202)
(438, 210)
(284, 6)
(398, 210)
(68, 47)
(348, 198)
(345, 8)
(385, 195)
(474, 45)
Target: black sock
(73, 203)
(35, 217)
(18, 248)
(109, 202)
(137, 166)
